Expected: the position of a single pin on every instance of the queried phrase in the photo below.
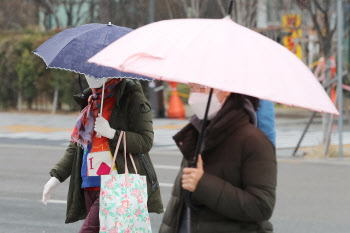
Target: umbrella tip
(109, 24)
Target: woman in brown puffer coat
(235, 180)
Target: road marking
(288, 161)
(65, 202)
(33, 128)
(330, 161)
(325, 161)
(57, 201)
(166, 185)
(52, 136)
(28, 146)
(170, 126)
(166, 167)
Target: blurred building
(269, 19)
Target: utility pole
(155, 90)
(151, 11)
(156, 97)
(340, 74)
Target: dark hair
(238, 100)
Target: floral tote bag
(123, 200)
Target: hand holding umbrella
(103, 128)
(192, 176)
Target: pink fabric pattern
(121, 211)
(110, 184)
(123, 208)
(104, 193)
(135, 192)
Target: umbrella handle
(201, 135)
(193, 163)
(103, 96)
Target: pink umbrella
(221, 54)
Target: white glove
(50, 186)
(102, 128)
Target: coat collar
(121, 88)
(228, 120)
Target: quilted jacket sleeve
(62, 170)
(256, 199)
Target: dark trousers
(91, 223)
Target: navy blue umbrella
(71, 48)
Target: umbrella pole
(189, 205)
(201, 135)
(193, 163)
(103, 96)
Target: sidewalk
(57, 128)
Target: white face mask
(94, 82)
(198, 103)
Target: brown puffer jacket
(237, 190)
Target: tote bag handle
(123, 134)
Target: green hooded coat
(132, 114)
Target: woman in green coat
(86, 158)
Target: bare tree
(18, 14)
(322, 14)
(127, 13)
(244, 11)
(92, 10)
(107, 11)
(50, 8)
(73, 10)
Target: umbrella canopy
(221, 54)
(71, 48)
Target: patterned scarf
(83, 131)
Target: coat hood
(125, 85)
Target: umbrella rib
(104, 43)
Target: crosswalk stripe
(166, 167)
(166, 185)
(57, 201)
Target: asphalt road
(312, 197)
